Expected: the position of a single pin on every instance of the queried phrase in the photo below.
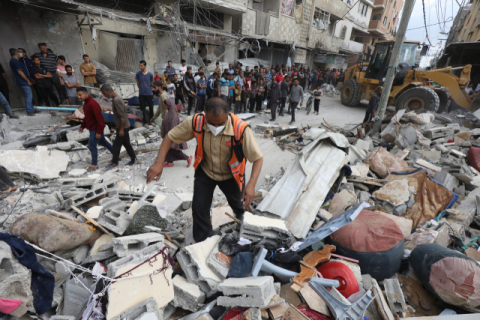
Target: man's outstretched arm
(249, 191)
(155, 171)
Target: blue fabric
(27, 90)
(145, 80)
(92, 145)
(43, 282)
(16, 65)
(29, 63)
(200, 91)
(231, 83)
(210, 85)
(455, 196)
(5, 103)
(231, 71)
(241, 266)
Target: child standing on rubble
(317, 93)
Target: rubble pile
(384, 228)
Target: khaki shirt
(88, 68)
(217, 151)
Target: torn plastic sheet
(302, 190)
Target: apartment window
(321, 19)
(469, 38)
(343, 33)
(385, 20)
(376, 17)
(363, 9)
(395, 4)
(373, 41)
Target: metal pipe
(56, 109)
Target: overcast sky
(435, 11)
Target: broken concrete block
(51, 233)
(186, 198)
(115, 220)
(395, 298)
(95, 254)
(254, 226)
(94, 212)
(15, 279)
(219, 262)
(145, 310)
(389, 134)
(431, 155)
(446, 179)
(364, 144)
(124, 246)
(381, 162)
(77, 172)
(438, 132)
(80, 182)
(252, 314)
(124, 294)
(193, 260)
(91, 194)
(443, 236)
(395, 192)
(341, 202)
(78, 254)
(188, 296)
(409, 132)
(246, 292)
(62, 317)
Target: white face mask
(215, 130)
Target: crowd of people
(243, 89)
(45, 78)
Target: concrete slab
(127, 293)
(395, 192)
(84, 136)
(395, 298)
(246, 292)
(35, 165)
(341, 201)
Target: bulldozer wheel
(445, 101)
(349, 93)
(418, 99)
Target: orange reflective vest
(237, 160)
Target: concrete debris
(246, 292)
(188, 296)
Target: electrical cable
(425, 22)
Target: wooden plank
(95, 223)
(58, 125)
(382, 304)
(427, 165)
(314, 301)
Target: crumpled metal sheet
(301, 191)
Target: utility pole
(387, 86)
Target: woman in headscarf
(274, 99)
(171, 121)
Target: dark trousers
(238, 106)
(191, 101)
(316, 105)
(293, 106)
(179, 98)
(5, 181)
(203, 188)
(49, 96)
(201, 103)
(259, 100)
(39, 94)
(273, 107)
(252, 105)
(368, 117)
(282, 104)
(147, 115)
(5, 92)
(230, 101)
(122, 141)
(62, 93)
(92, 145)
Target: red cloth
(235, 313)
(93, 116)
(279, 78)
(474, 157)
(7, 306)
(369, 232)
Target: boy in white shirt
(171, 90)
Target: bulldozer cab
(378, 66)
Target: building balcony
(232, 7)
(351, 46)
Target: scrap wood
(233, 218)
(58, 125)
(365, 180)
(308, 265)
(95, 223)
(382, 304)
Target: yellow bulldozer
(413, 89)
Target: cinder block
(91, 194)
(124, 246)
(193, 258)
(102, 249)
(218, 266)
(71, 182)
(446, 179)
(130, 196)
(115, 220)
(255, 227)
(395, 297)
(246, 292)
(186, 199)
(147, 309)
(188, 296)
(438, 132)
(113, 203)
(78, 254)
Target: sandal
(168, 165)
(189, 161)
(7, 191)
(92, 167)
